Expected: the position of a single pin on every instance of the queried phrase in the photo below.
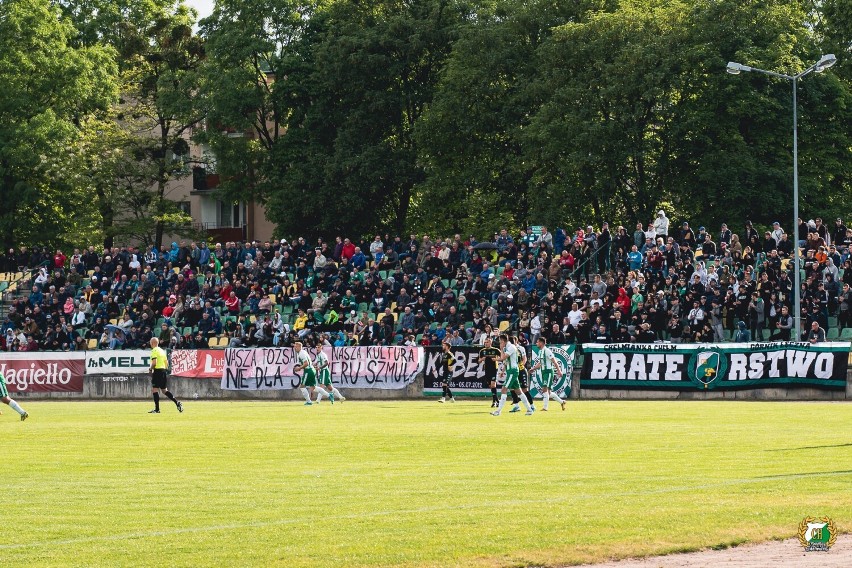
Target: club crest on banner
(562, 385)
(707, 366)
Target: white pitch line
(282, 522)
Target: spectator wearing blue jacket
(634, 258)
(204, 255)
(359, 261)
(36, 297)
(174, 252)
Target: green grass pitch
(411, 483)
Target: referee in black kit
(159, 369)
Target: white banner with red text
(273, 368)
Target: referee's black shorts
(158, 379)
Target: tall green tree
(159, 75)
(332, 105)
(471, 137)
(47, 87)
(251, 45)
(640, 112)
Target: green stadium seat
(832, 334)
(846, 333)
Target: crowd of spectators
(657, 282)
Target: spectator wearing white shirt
(535, 327)
(696, 316)
(777, 232)
(78, 320)
(661, 224)
(575, 314)
(320, 260)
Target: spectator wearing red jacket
(59, 260)
(170, 307)
(623, 301)
(233, 304)
(348, 249)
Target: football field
(412, 483)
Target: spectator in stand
(816, 334)
(661, 224)
(232, 304)
(687, 237)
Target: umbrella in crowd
(485, 246)
(115, 332)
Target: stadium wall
(123, 375)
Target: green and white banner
(561, 384)
(714, 366)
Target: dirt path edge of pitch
(788, 553)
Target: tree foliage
(141, 145)
(47, 86)
(434, 115)
(333, 94)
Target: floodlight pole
(797, 275)
(824, 63)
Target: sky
(204, 7)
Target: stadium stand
(658, 282)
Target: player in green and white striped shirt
(309, 376)
(324, 368)
(510, 358)
(547, 363)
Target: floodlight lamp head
(735, 68)
(825, 62)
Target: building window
(199, 179)
(225, 215)
(185, 207)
